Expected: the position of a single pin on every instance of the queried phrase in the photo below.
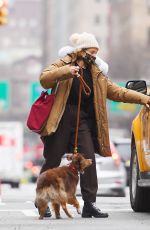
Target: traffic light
(3, 12)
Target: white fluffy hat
(83, 40)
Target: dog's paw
(58, 217)
(79, 211)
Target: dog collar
(73, 169)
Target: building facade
(130, 34)
(21, 55)
(69, 16)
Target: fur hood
(103, 66)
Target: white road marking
(29, 202)
(29, 212)
(118, 210)
(2, 204)
(34, 213)
(10, 210)
(26, 212)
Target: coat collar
(71, 59)
(95, 70)
(67, 59)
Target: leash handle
(85, 87)
(87, 91)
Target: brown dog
(58, 186)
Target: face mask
(89, 59)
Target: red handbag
(40, 111)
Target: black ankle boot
(90, 209)
(47, 212)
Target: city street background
(31, 34)
(37, 29)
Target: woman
(59, 133)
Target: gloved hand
(148, 104)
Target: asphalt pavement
(17, 212)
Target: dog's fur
(58, 185)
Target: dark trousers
(62, 141)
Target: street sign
(4, 96)
(35, 91)
(120, 108)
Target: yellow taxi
(139, 184)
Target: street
(17, 211)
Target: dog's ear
(69, 157)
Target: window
(148, 6)
(97, 19)
(33, 23)
(22, 22)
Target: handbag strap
(87, 91)
(54, 90)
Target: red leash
(87, 91)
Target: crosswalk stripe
(29, 212)
(2, 204)
(10, 210)
(118, 210)
(34, 213)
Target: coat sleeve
(58, 71)
(121, 94)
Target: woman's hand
(148, 104)
(74, 70)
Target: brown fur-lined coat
(103, 87)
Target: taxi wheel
(15, 184)
(139, 196)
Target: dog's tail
(57, 190)
(54, 191)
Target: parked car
(140, 155)
(123, 146)
(111, 175)
(33, 168)
(33, 160)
